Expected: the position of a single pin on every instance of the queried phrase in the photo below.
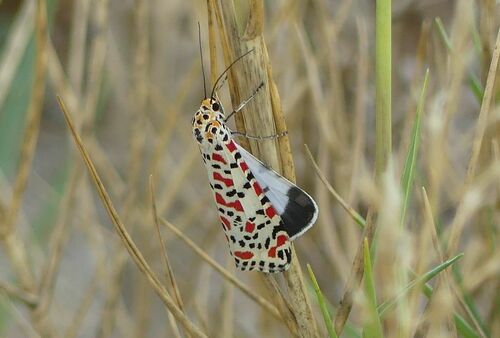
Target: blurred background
(129, 72)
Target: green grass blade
(373, 327)
(476, 87)
(442, 33)
(385, 306)
(469, 301)
(474, 83)
(350, 331)
(383, 87)
(411, 157)
(463, 328)
(322, 304)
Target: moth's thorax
(209, 128)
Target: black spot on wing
(299, 212)
(231, 193)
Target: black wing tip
(300, 213)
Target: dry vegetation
(108, 228)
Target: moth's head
(208, 123)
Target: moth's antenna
(225, 70)
(201, 57)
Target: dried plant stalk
(262, 116)
(129, 244)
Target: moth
(260, 211)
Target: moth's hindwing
(297, 209)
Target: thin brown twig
(165, 260)
(166, 264)
(355, 276)
(13, 291)
(457, 224)
(350, 210)
(283, 305)
(226, 274)
(444, 279)
(132, 249)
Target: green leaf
(372, 328)
(411, 156)
(322, 304)
(385, 306)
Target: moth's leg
(242, 104)
(269, 137)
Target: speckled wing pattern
(259, 210)
(253, 228)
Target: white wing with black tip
(297, 209)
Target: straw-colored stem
(457, 224)
(129, 244)
(243, 23)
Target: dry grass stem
(226, 274)
(482, 123)
(14, 292)
(355, 276)
(125, 237)
(353, 213)
(262, 122)
(166, 264)
(343, 77)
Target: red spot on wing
(243, 254)
(243, 166)
(236, 205)
(249, 226)
(218, 177)
(270, 212)
(281, 240)
(257, 188)
(272, 252)
(225, 222)
(231, 146)
(218, 158)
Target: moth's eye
(215, 106)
